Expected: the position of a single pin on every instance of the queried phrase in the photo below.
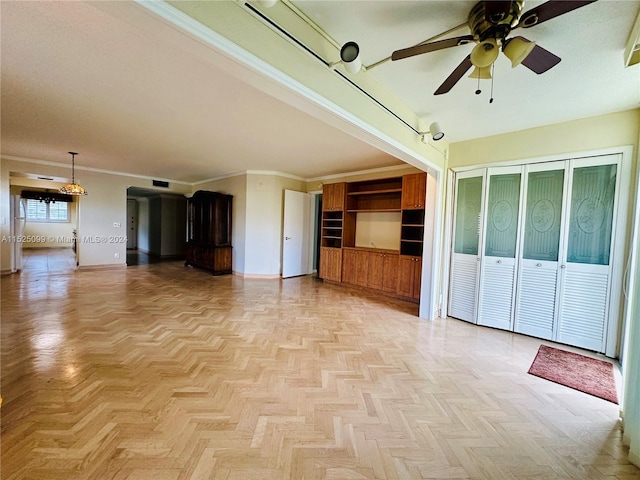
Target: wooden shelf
(375, 210)
(330, 236)
(332, 228)
(377, 192)
(411, 241)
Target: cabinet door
(389, 272)
(376, 266)
(349, 266)
(414, 188)
(406, 269)
(362, 268)
(333, 197)
(325, 258)
(327, 197)
(417, 277)
(331, 263)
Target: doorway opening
(156, 226)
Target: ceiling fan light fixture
(517, 49)
(485, 53)
(350, 57)
(481, 73)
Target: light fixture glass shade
(517, 49)
(266, 3)
(481, 73)
(350, 57)
(435, 131)
(485, 53)
(73, 188)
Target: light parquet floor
(166, 373)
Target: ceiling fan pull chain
(493, 69)
(478, 91)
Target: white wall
(265, 214)
(378, 230)
(143, 224)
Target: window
(38, 211)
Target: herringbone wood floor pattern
(166, 373)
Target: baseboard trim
(117, 266)
(263, 276)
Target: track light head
(350, 57)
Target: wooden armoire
(209, 231)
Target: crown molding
(89, 169)
(361, 172)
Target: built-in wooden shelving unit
(395, 272)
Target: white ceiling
(590, 80)
(133, 94)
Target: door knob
(563, 266)
(287, 238)
(538, 265)
(499, 261)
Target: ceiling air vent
(160, 183)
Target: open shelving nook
(375, 195)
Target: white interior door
(587, 258)
(500, 240)
(296, 234)
(465, 262)
(538, 278)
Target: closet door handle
(538, 265)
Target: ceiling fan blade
(496, 10)
(430, 47)
(540, 60)
(456, 75)
(549, 10)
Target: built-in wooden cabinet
(333, 197)
(409, 276)
(209, 232)
(414, 189)
(331, 264)
(355, 266)
(383, 271)
(395, 272)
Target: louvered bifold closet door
(537, 290)
(582, 318)
(465, 262)
(498, 264)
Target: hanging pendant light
(73, 188)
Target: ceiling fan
(490, 23)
